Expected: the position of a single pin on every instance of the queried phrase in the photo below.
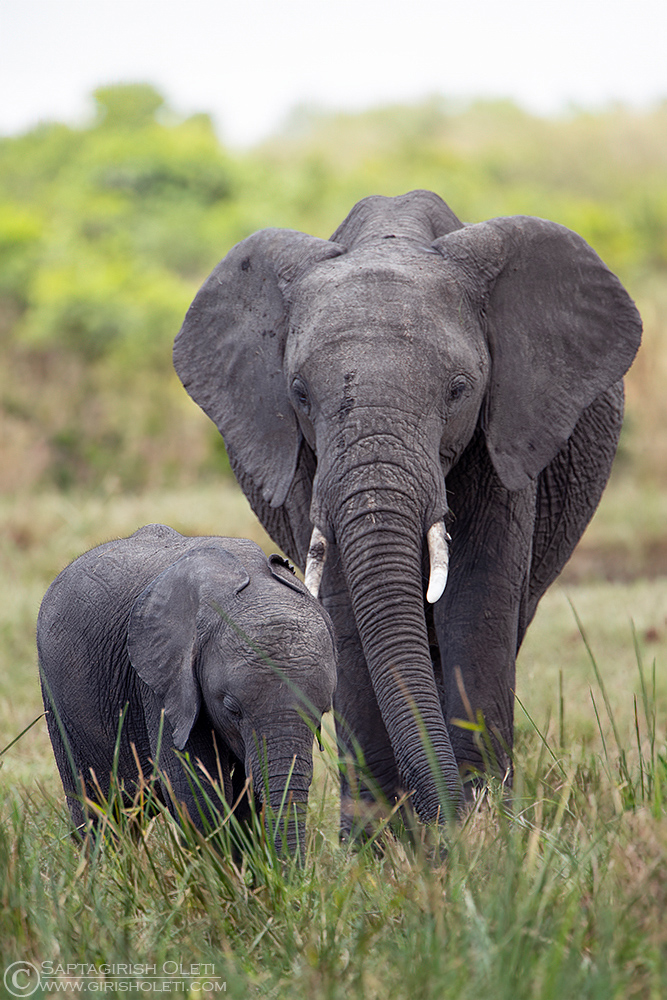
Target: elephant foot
(480, 788)
(363, 819)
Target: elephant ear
(229, 354)
(281, 570)
(165, 627)
(561, 329)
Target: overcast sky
(247, 62)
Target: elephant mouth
(437, 540)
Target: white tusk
(317, 554)
(438, 553)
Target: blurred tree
(107, 230)
(127, 106)
(20, 234)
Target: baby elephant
(227, 642)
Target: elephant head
(349, 376)
(255, 653)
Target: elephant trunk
(380, 537)
(282, 768)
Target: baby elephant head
(248, 655)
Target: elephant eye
(457, 389)
(300, 394)
(232, 705)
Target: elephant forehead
(277, 657)
(353, 309)
(391, 298)
(291, 638)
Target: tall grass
(560, 892)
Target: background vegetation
(106, 232)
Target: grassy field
(106, 230)
(564, 894)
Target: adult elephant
(409, 373)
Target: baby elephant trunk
(282, 772)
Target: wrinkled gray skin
(160, 621)
(411, 368)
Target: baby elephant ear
(162, 639)
(561, 330)
(229, 354)
(282, 570)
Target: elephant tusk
(317, 554)
(439, 558)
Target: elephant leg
(72, 771)
(193, 793)
(90, 747)
(207, 756)
(478, 619)
(369, 778)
